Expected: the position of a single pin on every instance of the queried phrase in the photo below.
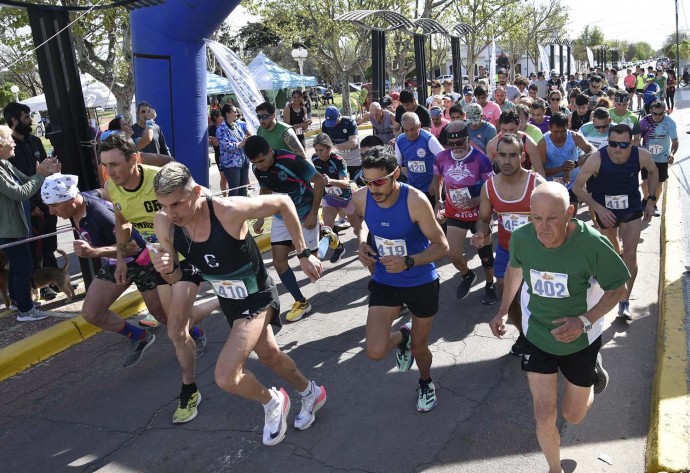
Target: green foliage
(590, 36)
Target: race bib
(418, 167)
(656, 149)
(331, 190)
(386, 247)
(616, 202)
(551, 285)
(512, 222)
(459, 195)
(230, 289)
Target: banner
(492, 69)
(545, 64)
(573, 67)
(242, 82)
(590, 57)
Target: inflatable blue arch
(170, 72)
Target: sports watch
(306, 253)
(409, 262)
(652, 198)
(586, 324)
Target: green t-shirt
(275, 136)
(629, 119)
(563, 282)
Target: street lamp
(15, 90)
(300, 54)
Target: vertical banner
(545, 64)
(573, 67)
(241, 80)
(590, 57)
(492, 69)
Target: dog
(4, 278)
(43, 277)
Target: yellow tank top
(140, 205)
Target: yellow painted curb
(39, 347)
(668, 441)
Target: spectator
(216, 120)
(232, 134)
(146, 119)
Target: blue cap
(467, 90)
(332, 115)
(107, 133)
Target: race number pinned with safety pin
(418, 167)
(616, 202)
(387, 247)
(458, 196)
(512, 222)
(550, 285)
(230, 289)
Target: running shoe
(624, 310)
(516, 349)
(601, 376)
(427, 397)
(341, 224)
(490, 296)
(13, 306)
(311, 403)
(403, 355)
(187, 409)
(338, 253)
(275, 420)
(138, 349)
(200, 345)
(657, 212)
(404, 310)
(149, 321)
(32, 315)
(465, 285)
(298, 310)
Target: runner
(596, 132)
(629, 83)
(130, 189)
(480, 130)
(563, 309)
(621, 116)
(464, 170)
(509, 123)
(403, 243)
(581, 115)
(508, 194)
(612, 178)
(213, 234)
(279, 171)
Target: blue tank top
(392, 232)
(616, 186)
(418, 159)
(556, 156)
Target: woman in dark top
(295, 114)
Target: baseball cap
(108, 133)
(436, 111)
(553, 72)
(473, 114)
(621, 97)
(650, 77)
(386, 101)
(457, 129)
(467, 90)
(332, 115)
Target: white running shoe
(32, 315)
(310, 405)
(275, 421)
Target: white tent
(95, 95)
(270, 76)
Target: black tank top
(296, 117)
(578, 121)
(234, 267)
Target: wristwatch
(652, 198)
(586, 324)
(306, 253)
(409, 262)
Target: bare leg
(420, 345)
(630, 233)
(379, 338)
(99, 298)
(183, 295)
(544, 388)
(576, 402)
(456, 242)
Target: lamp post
(15, 90)
(300, 54)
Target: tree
(590, 36)
(16, 58)
(639, 50)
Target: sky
(631, 20)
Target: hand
(394, 264)
(565, 180)
(48, 166)
(312, 267)
(441, 216)
(213, 140)
(670, 158)
(477, 240)
(310, 221)
(607, 217)
(568, 165)
(259, 226)
(326, 180)
(570, 329)
(162, 262)
(366, 255)
(37, 212)
(83, 249)
(151, 114)
(498, 325)
(121, 272)
(243, 142)
(649, 211)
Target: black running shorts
(578, 367)
(421, 300)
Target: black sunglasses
(622, 144)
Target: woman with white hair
(16, 189)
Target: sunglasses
(658, 114)
(263, 117)
(456, 143)
(602, 127)
(556, 99)
(378, 182)
(621, 144)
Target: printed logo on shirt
(421, 152)
(211, 261)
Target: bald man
(381, 121)
(572, 279)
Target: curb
(41, 346)
(38, 347)
(668, 441)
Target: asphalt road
(80, 411)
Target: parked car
(442, 78)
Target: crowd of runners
(564, 168)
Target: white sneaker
(32, 315)
(310, 405)
(275, 421)
(14, 307)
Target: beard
(23, 129)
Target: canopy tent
(216, 84)
(95, 95)
(270, 76)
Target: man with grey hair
(381, 122)
(212, 234)
(572, 279)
